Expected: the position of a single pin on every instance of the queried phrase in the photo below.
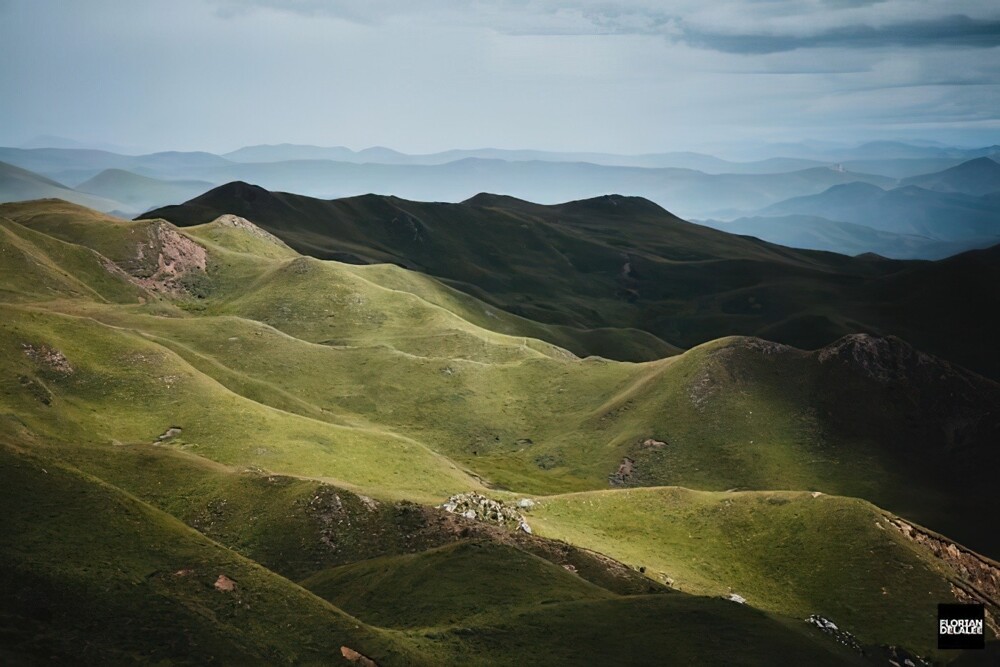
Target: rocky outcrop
(166, 261)
(236, 222)
(881, 358)
(480, 508)
(623, 475)
(49, 357)
(224, 584)
(978, 577)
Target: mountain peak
(240, 190)
(614, 204)
(490, 199)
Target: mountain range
(625, 264)
(769, 197)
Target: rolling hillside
(618, 263)
(216, 388)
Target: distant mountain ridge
(378, 154)
(581, 264)
(18, 184)
(141, 192)
(944, 216)
(977, 177)
(816, 233)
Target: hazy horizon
(577, 75)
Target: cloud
(730, 26)
(956, 30)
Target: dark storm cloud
(729, 26)
(958, 31)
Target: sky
(635, 76)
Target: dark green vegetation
(624, 263)
(276, 418)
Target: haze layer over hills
(899, 200)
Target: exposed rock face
(622, 476)
(166, 261)
(357, 658)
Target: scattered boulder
(171, 432)
(652, 443)
(828, 627)
(739, 599)
(225, 584)
(525, 503)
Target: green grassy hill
(297, 411)
(618, 263)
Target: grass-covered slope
(292, 409)
(408, 591)
(91, 575)
(795, 552)
(357, 364)
(619, 263)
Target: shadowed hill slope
(623, 263)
